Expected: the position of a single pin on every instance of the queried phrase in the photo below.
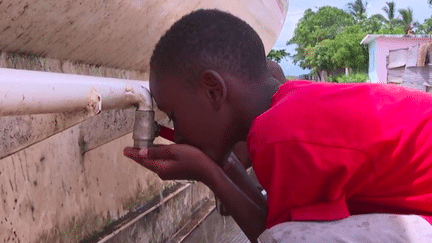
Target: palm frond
(407, 19)
(380, 17)
(407, 15)
(357, 8)
(390, 10)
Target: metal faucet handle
(164, 132)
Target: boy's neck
(260, 97)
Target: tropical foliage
(348, 53)
(407, 20)
(315, 27)
(390, 10)
(426, 27)
(360, 77)
(277, 55)
(329, 39)
(358, 9)
(344, 51)
(390, 20)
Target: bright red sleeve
(306, 181)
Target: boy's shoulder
(311, 111)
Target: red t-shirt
(325, 151)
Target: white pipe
(32, 92)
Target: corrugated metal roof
(369, 38)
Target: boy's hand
(173, 162)
(180, 161)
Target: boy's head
(209, 39)
(203, 71)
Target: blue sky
(421, 11)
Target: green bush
(291, 77)
(352, 78)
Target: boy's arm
(248, 214)
(234, 169)
(187, 162)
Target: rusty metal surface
(397, 58)
(115, 33)
(416, 77)
(395, 75)
(412, 56)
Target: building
(379, 47)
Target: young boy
(321, 151)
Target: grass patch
(352, 78)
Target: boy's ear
(214, 87)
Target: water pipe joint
(144, 128)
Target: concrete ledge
(214, 228)
(159, 219)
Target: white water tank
(116, 33)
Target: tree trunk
(322, 76)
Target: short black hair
(209, 39)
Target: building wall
(63, 177)
(384, 45)
(373, 77)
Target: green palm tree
(407, 19)
(390, 9)
(358, 9)
(390, 20)
(426, 27)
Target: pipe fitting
(24, 92)
(144, 100)
(144, 128)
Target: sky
(421, 11)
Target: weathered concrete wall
(161, 224)
(52, 192)
(61, 182)
(63, 176)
